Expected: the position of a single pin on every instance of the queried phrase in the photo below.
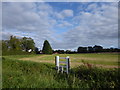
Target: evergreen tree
(47, 49)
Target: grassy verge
(28, 74)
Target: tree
(4, 45)
(47, 49)
(90, 49)
(14, 43)
(59, 51)
(82, 49)
(37, 50)
(98, 48)
(27, 43)
(68, 51)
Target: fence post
(67, 64)
(62, 69)
(57, 62)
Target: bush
(99, 77)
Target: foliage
(14, 43)
(17, 46)
(36, 50)
(99, 77)
(82, 49)
(15, 52)
(26, 74)
(27, 43)
(96, 49)
(47, 49)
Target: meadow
(102, 59)
(38, 71)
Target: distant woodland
(26, 45)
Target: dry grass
(76, 60)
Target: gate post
(68, 64)
(60, 67)
(57, 62)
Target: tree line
(89, 49)
(23, 45)
(96, 49)
(27, 45)
(16, 45)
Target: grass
(28, 74)
(104, 59)
(19, 56)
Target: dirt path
(73, 64)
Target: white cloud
(99, 26)
(64, 24)
(96, 25)
(28, 19)
(65, 13)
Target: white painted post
(57, 62)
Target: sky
(66, 25)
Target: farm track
(73, 64)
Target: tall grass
(26, 74)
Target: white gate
(61, 67)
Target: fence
(61, 67)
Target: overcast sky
(66, 25)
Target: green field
(38, 71)
(105, 60)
